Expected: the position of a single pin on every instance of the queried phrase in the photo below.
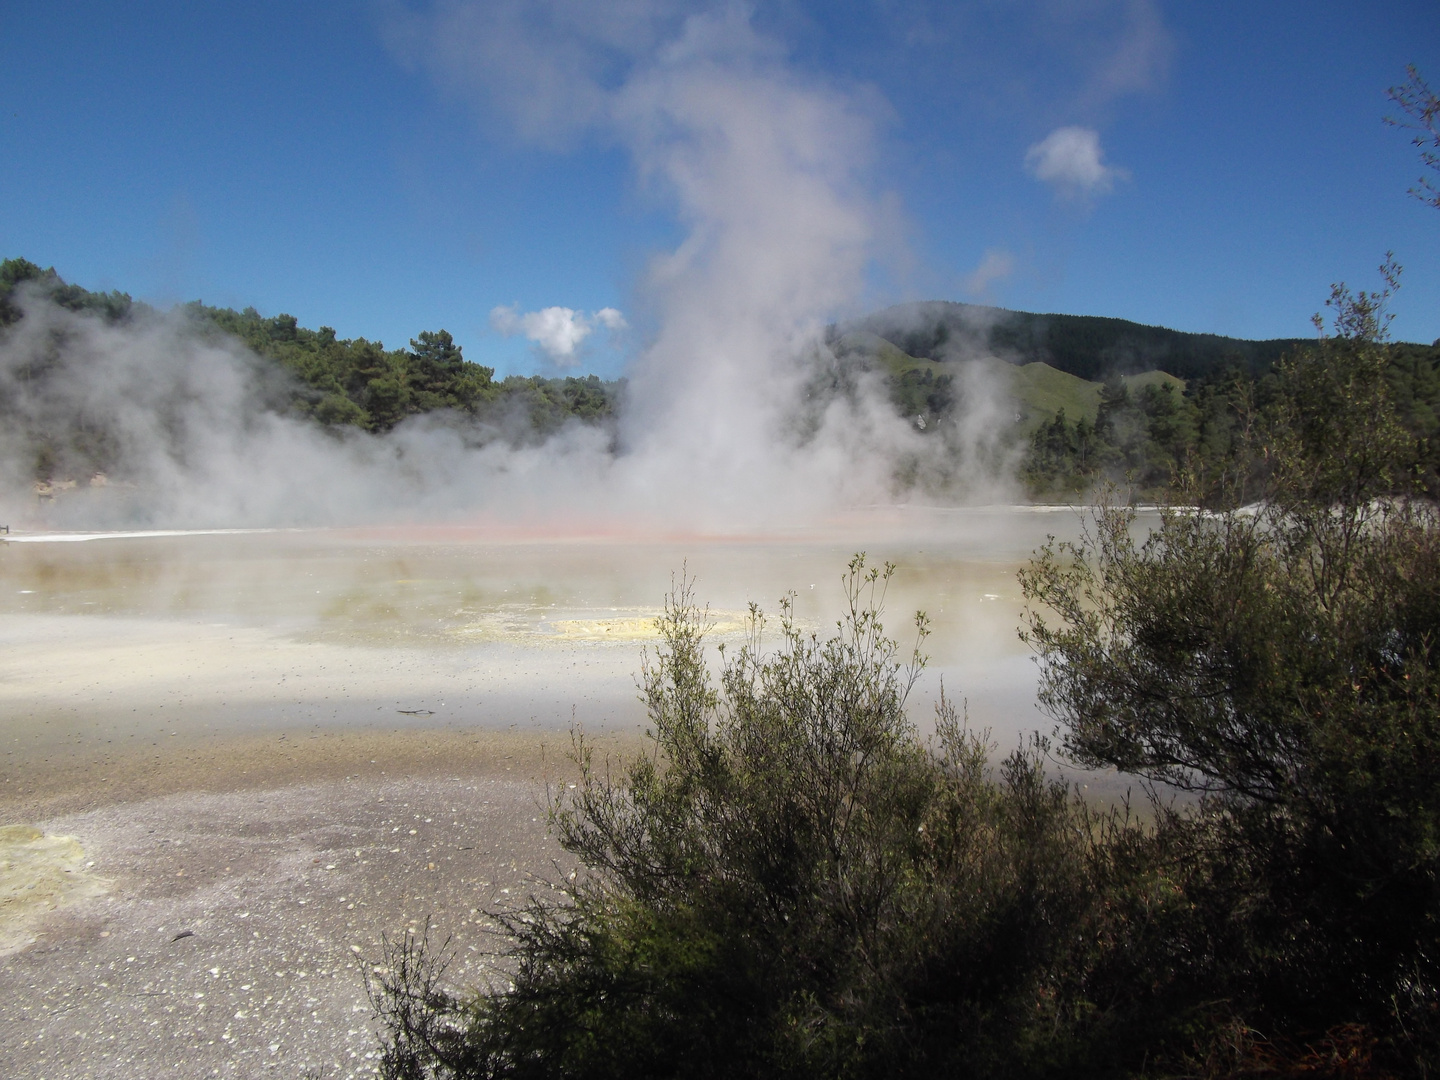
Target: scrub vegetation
(791, 881)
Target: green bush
(792, 882)
(1280, 660)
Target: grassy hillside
(889, 357)
(1041, 392)
(1135, 383)
(924, 387)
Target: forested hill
(1093, 400)
(1099, 400)
(1087, 346)
(339, 382)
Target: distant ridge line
(1089, 346)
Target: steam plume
(738, 416)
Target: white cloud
(1138, 61)
(997, 265)
(611, 319)
(557, 331)
(1070, 160)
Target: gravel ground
(228, 930)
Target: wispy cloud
(1070, 160)
(557, 331)
(1135, 61)
(997, 265)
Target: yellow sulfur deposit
(604, 629)
(38, 873)
(632, 629)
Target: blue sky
(383, 169)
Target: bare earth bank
(218, 906)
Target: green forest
(338, 382)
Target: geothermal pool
(281, 745)
(112, 639)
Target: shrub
(1280, 659)
(790, 881)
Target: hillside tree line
(340, 383)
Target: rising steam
(739, 415)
